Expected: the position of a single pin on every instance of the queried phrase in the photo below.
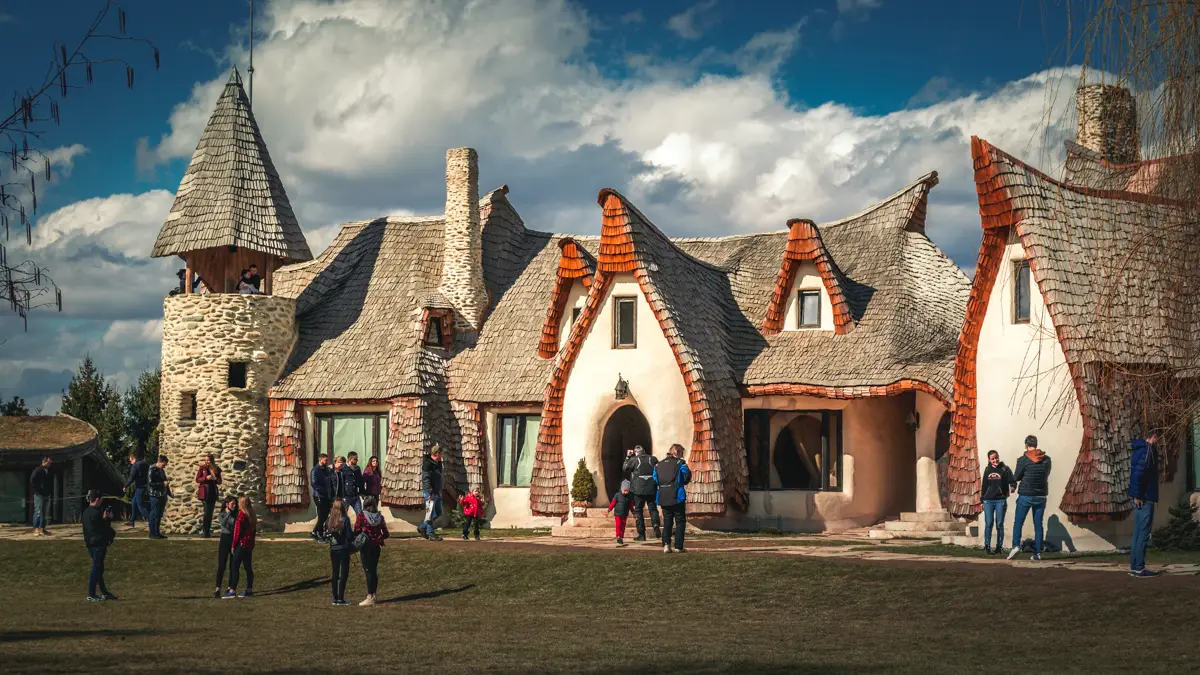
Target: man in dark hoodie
(98, 534)
(320, 484)
(139, 472)
(431, 490)
(997, 482)
(1143, 490)
(640, 469)
(41, 484)
(1033, 474)
(671, 475)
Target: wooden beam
(187, 276)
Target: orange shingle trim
(287, 483)
(574, 263)
(804, 245)
(862, 391)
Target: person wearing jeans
(98, 535)
(159, 487)
(431, 492)
(1033, 475)
(671, 475)
(41, 484)
(1143, 490)
(320, 481)
(369, 520)
(138, 474)
(997, 482)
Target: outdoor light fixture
(622, 388)
(913, 421)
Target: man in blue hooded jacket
(1143, 490)
(671, 475)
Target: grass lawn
(456, 606)
(1153, 557)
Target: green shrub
(1182, 533)
(583, 488)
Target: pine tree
(14, 408)
(1182, 532)
(141, 415)
(93, 399)
(583, 488)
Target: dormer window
(808, 309)
(433, 332)
(1021, 291)
(624, 323)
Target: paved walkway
(732, 544)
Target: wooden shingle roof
(1170, 177)
(231, 194)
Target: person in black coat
(671, 475)
(139, 472)
(1033, 478)
(431, 490)
(640, 469)
(320, 483)
(98, 535)
(159, 488)
(619, 508)
(41, 484)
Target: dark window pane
(433, 332)
(575, 314)
(626, 318)
(187, 405)
(237, 374)
(810, 309)
(504, 449)
(1021, 292)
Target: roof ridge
(930, 178)
(1073, 146)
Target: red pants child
(620, 523)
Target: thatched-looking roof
(231, 194)
(1117, 270)
(1169, 177)
(26, 440)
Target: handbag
(360, 540)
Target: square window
(1021, 291)
(187, 405)
(624, 323)
(433, 332)
(808, 305)
(237, 375)
(804, 454)
(342, 433)
(515, 448)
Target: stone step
(936, 535)
(927, 517)
(937, 526)
(961, 540)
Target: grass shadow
(427, 595)
(12, 636)
(306, 585)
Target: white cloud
(358, 101)
(695, 21)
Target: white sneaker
(667, 548)
(1014, 552)
(369, 602)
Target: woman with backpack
(244, 529)
(339, 534)
(226, 523)
(370, 524)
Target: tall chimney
(462, 248)
(1107, 122)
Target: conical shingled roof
(231, 194)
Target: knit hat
(624, 485)
(639, 450)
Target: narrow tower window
(1021, 291)
(237, 375)
(187, 405)
(808, 306)
(624, 323)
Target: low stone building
(807, 371)
(77, 465)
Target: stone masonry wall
(462, 255)
(1107, 122)
(202, 334)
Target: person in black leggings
(229, 513)
(369, 520)
(339, 533)
(244, 530)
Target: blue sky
(716, 116)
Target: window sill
(511, 487)
(624, 347)
(186, 423)
(838, 489)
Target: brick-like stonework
(1107, 122)
(202, 334)
(462, 256)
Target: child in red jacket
(622, 504)
(473, 508)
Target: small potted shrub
(583, 490)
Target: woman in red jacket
(244, 530)
(208, 477)
(369, 520)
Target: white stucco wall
(575, 298)
(808, 279)
(1024, 387)
(929, 411)
(656, 387)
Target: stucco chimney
(462, 251)
(1107, 122)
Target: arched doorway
(626, 428)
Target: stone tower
(1107, 122)
(223, 350)
(462, 263)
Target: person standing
(98, 535)
(998, 481)
(320, 481)
(245, 529)
(640, 469)
(373, 478)
(671, 475)
(431, 491)
(1143, 490)
(353, 478)
(621, 505)
(139, 471)
(41, 484)
(473, 510)
(158, 486)
(208, 478)
(369, 520)
(338, 534)
(227, 521)
(1033, 474)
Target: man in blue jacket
(139, 472)
(671, 475)
(1143, 490)
(319, 483)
